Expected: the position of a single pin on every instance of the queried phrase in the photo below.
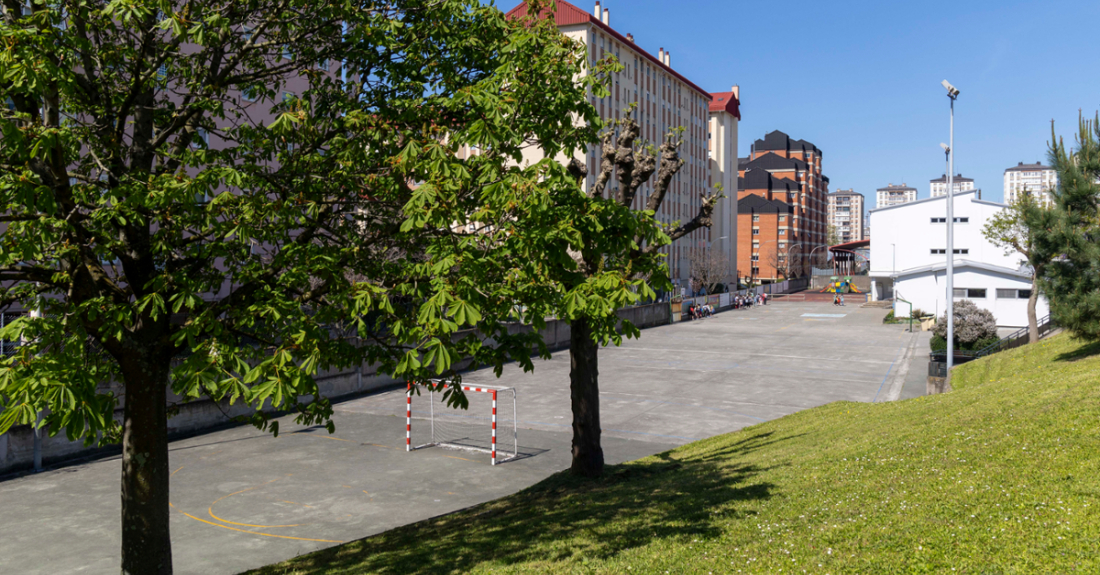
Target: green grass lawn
(1000, 476)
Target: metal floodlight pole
(952, 94)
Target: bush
(938, 343)
(889, 317)
(917, 314)
(984, 343)
(972, 324)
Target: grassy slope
(1000, 476)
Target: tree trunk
(1032, 318)
(146, 543)
(584, 395)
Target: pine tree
(1068, 235)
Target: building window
(943, 251)
(970, 293)
(755, 218)
(756, 231)
(782, 218)
(755, 244)
(782, 232)
(944, 220)
(755, 257)
(1013, 293)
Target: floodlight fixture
(945, 147)
(952, 92)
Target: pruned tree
(614, 256)
(1067, 234)
(217, 199)
(1009, 229)
(709, 268)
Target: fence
(937, 360)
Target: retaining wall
(194, 417)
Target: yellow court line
(295, 503)
(210, 509)
(176, 471)
(257, 532)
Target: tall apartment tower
(1036, 178)
(725, 113)
(893, 195)
(846, 215)
(774, 160)
(939, 185)
(666, 100)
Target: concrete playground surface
(242, 499)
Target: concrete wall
(193, 417)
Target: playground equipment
(841, 286)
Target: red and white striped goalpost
(434, 386)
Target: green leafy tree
(217, 199)
(1067, 235)
(832, 236)
(1009, 229)
(613, 260)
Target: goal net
(491, 416)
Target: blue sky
(861, 80)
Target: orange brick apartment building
(780, 170)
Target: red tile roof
(725, 101)
(566, 14)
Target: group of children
(700, 311)
(838, 299)
(749, 300)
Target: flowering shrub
(972, 324)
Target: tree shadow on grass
(565, 518)
(1085, 351)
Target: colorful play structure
(841, 286)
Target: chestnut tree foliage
(218, 199)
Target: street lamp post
(952, 94)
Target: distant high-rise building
(780, 169)
(1036, 178)
(867, 226)
(846, 215)
(665, 100)
(893, 195)
(961, 184)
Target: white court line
(743, 369)
(756, 354)
(721, 400)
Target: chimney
(661, 56)
(606, 16)
(736, 92)
(630, 37)
(597, 9)
(668, 59)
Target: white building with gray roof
(909, 260)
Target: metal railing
(937, 360)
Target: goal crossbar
(492, 391)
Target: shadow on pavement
(565, 518)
